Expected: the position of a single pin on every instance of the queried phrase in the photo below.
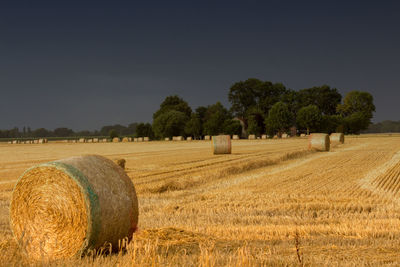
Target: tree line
(257, 107)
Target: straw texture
(319, 142)
(63, 208)
(115, 139)
(222, 144)
(252, 137)
(235, 137)
(207, 137)
(336, 138)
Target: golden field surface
(270, 202)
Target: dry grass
(270, 202)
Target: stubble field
(271, 202)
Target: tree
(173, 103)
(242, 96)
(113, 133)
(170, 123)
(144, 130)
(215, 118)
(324, 97)
(309, 117)
(232, 127)
(279, 118)
(193, 126)
(63, 132)
(357, 110)
(41, 132)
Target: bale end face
(221, 144)
(63, 208)
(336, 138)
(319, 142)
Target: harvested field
(270, 202)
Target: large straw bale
(189, 138)
(264, 136)
(115, 140)
(177, 138)
(89, 140)
(82, 140)
(252, 137)
(336, 138)
(135, 139)
(235, 137)
(95, 140)
(125, 139)
(146, 139)
(207, 137)
(285, 135)
(319, 142)
(129, 139)
(140, 139)
(63, 208)
(222, 144)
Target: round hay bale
(252, 136)
(222, 144)
(285, 135)
(319, 142)
(207, 137)
(125, 139)
(166, 139)
(189, 138)
(82, 140)
(235, 137)
(63, 208)
(129, 139)
(146, 139)
(89, 140)
(336, 138)
(95, 140)
(115, 139)
(302, 135)
(264, 136)
(135, 139)
(105, 140)
(140, 139)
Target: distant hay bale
(125, 140)
(95, 140)
(258, 138)
(89, 140)
(336, 138)
(129, 139)
(166, 139)
(120, 162)
(135, 139)
(36, 141)
(61, 209)
(285, 135)
(177, 138)
(302, 135)
(235, 137)
(252, 137)
(207, 137)
(264, 136)
(189, 138)
(146, 139)
(140, 139)
(115, 139)
(222, 144)
(275, 137)
(319, 142)
(82, 140)
(9, 142)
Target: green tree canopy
(193, 126)
(309, 117)
(144, 130)
(173, 103)
(279, 118)
(357, 110)
(215, 118)
(170, 123)
(324, 97)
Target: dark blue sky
(65, 63)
